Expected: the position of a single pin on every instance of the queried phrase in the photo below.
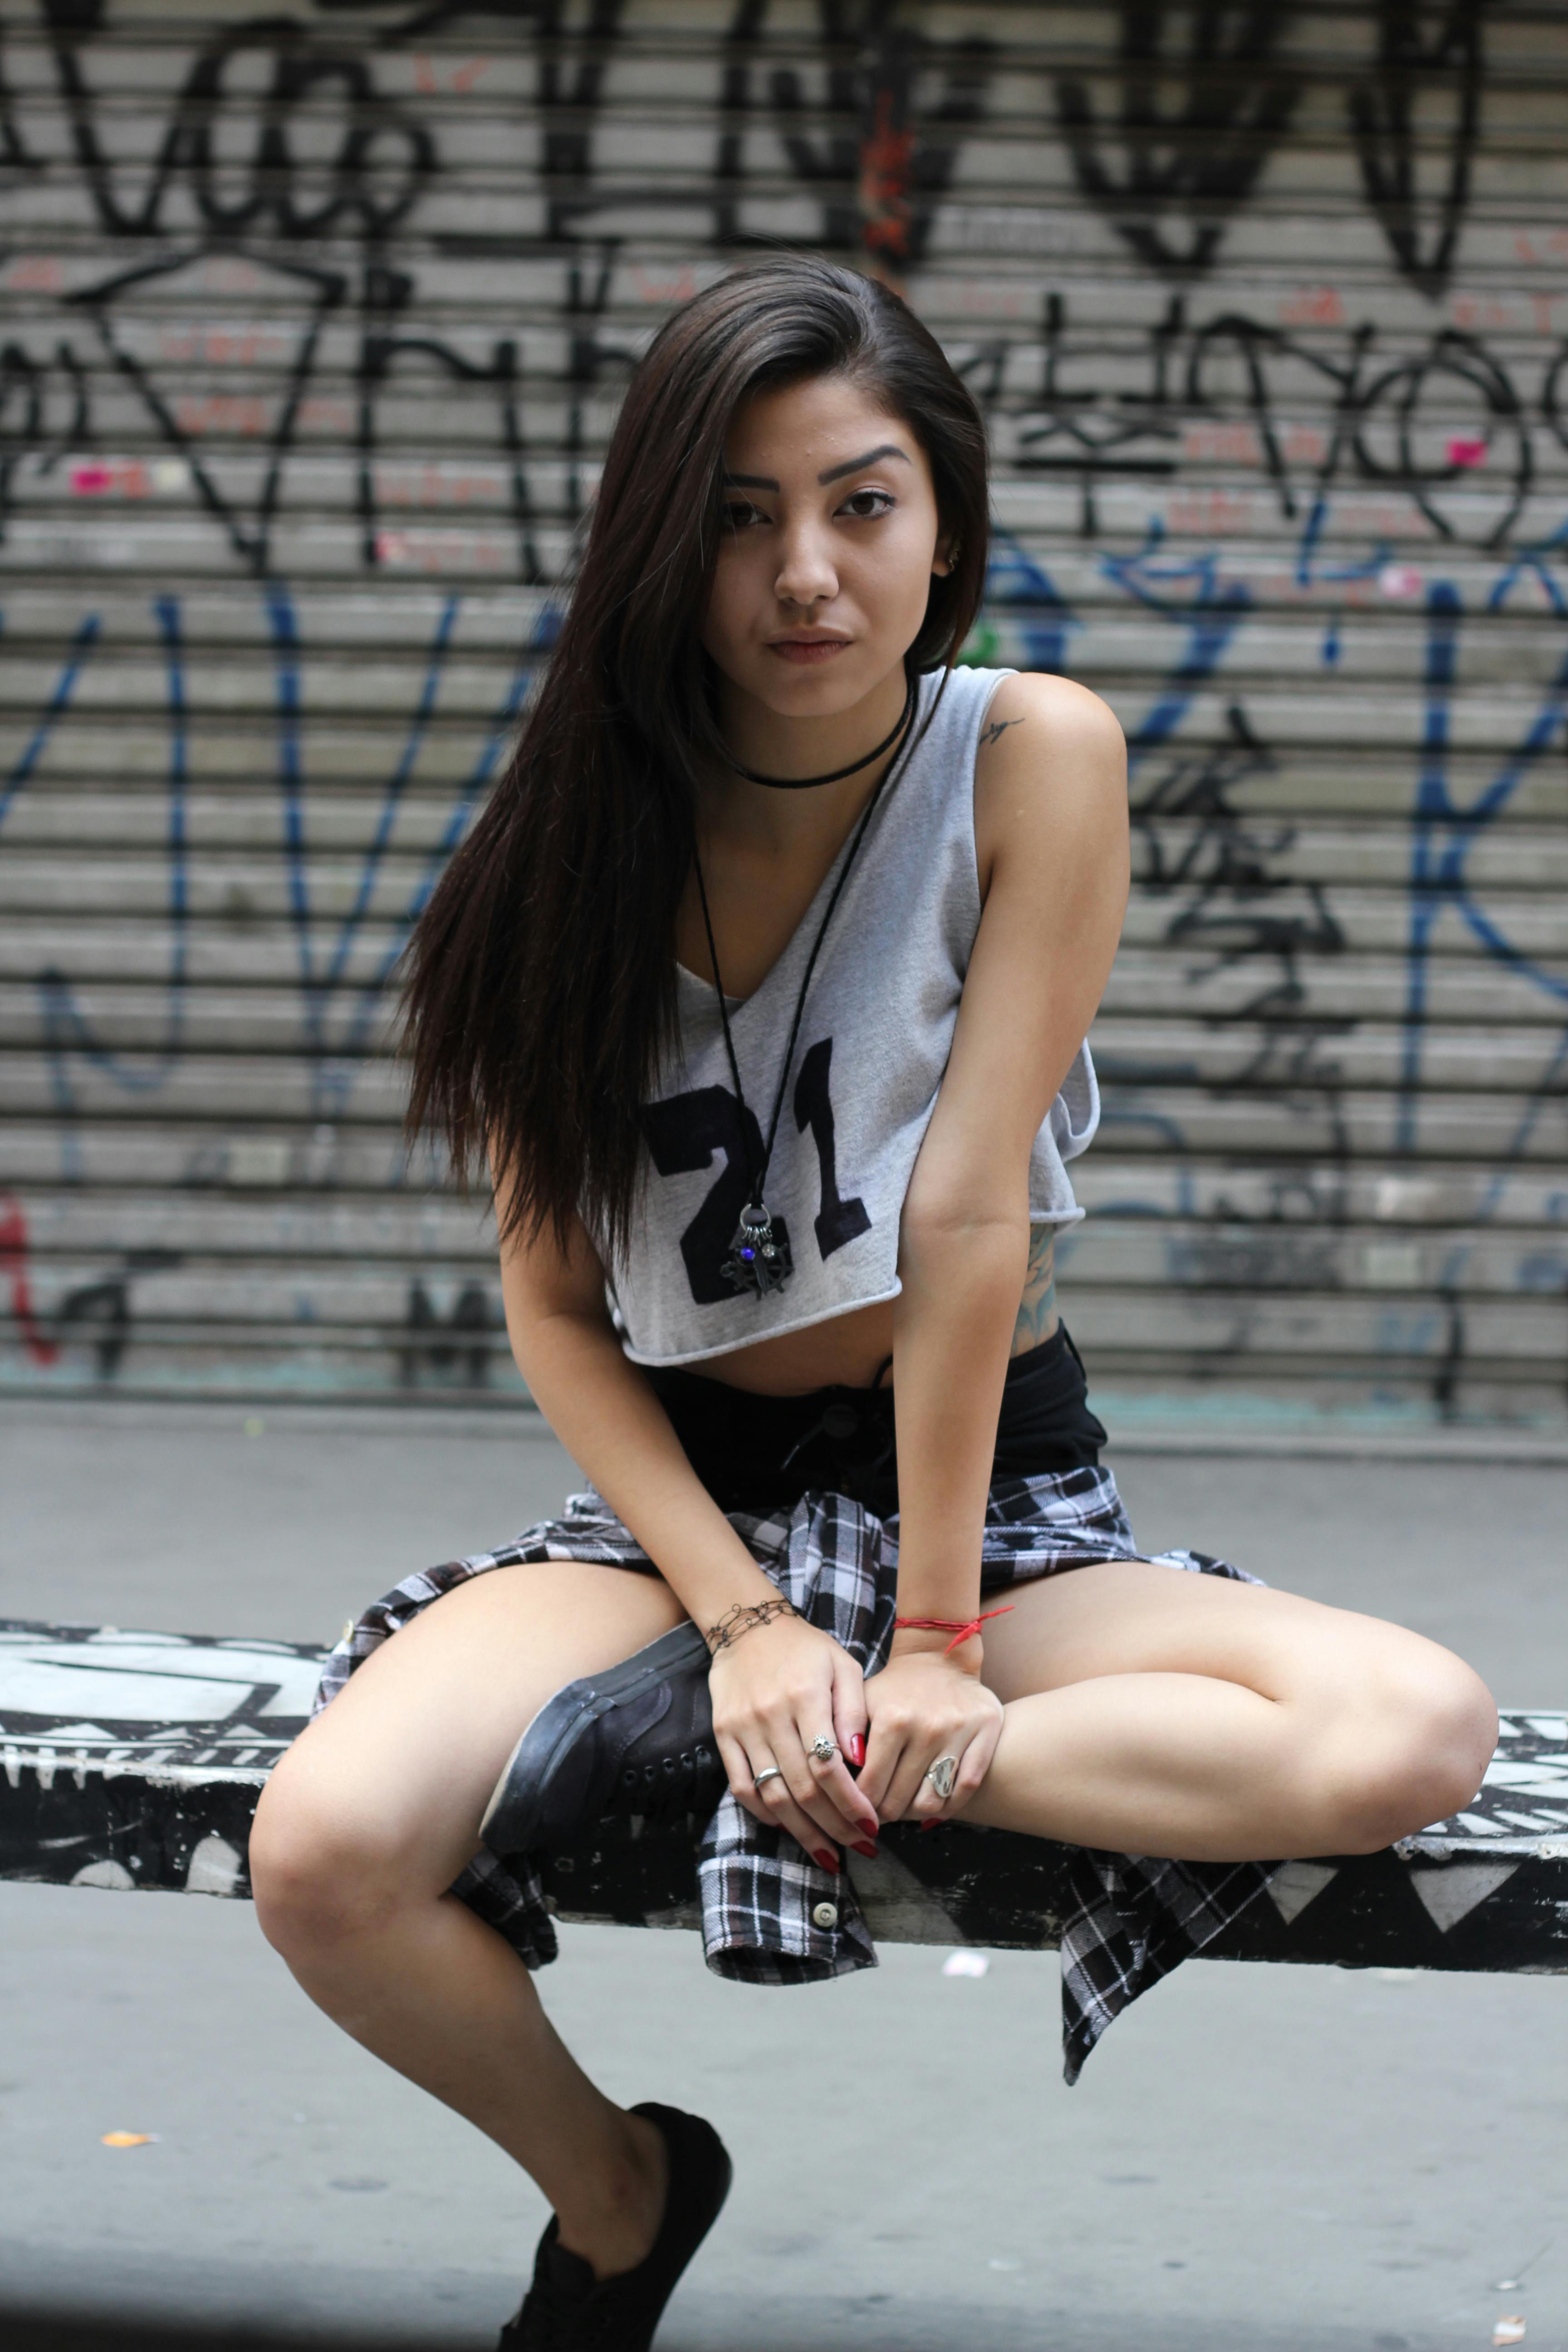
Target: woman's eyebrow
(834, 473)
(883, 449)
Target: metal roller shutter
(312, 330)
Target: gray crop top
(869, 1061)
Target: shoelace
(672, 1785)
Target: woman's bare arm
(777, 1688)
(1051, 824)
(612, 1425)
(1051, 805)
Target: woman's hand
(778, 1688)
(925, 1704)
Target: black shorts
(764, 1453)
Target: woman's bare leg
(370, 1817)
(1149, 1710)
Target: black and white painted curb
(134, 1760)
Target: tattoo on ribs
(999, 727)
(1038, 1307)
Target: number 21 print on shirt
(684, 1133)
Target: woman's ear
(946, 556)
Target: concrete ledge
(134, 1760)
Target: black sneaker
(566, 2309)
(637, 1739)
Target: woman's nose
(806, 574)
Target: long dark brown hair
(540, 981)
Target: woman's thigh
(1122, 1617)
(398, 1769)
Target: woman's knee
(1411, 1741)
(319, 1878)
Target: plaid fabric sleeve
(1134, 1920)
(769, 1915)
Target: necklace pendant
(758, 1259)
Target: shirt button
(826, 1915)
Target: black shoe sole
(517, 1820)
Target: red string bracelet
(960, 1628)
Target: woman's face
(831, 536)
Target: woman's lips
(808, 649)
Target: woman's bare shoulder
(1051, 756)
(1057, 712)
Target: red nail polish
(829, 1861)
(929, 1825)
(869, 1851)
(873, 1827)
(857, 1751)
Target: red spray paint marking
(14, 1269)
(886, 158)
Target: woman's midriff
(849, 1350)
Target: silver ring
(825, 1747)
(942, 1774)
(768, 1772)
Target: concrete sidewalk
(1289, 2159)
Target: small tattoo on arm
(999, 727)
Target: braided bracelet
(740, 1618)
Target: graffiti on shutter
(314, 326)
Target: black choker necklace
(835, 775)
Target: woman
(763, 983)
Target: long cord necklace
(760, 1260)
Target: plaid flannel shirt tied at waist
(771, 1914)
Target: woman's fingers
(847, 1816)
(829, 1827)
(910, 1792)
(820, 1784)
(911, 1795)
(924, 1711)
(883, 1749)
(786, 1813)
(836, 1777)
(822, 1807)
(801, 1706)
(739, 1767)
(772, 1803)
(849, 1716)
(973, 1765)
(788, 1796)
(971, 1759)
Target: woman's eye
(865, 505)
(739, 513)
